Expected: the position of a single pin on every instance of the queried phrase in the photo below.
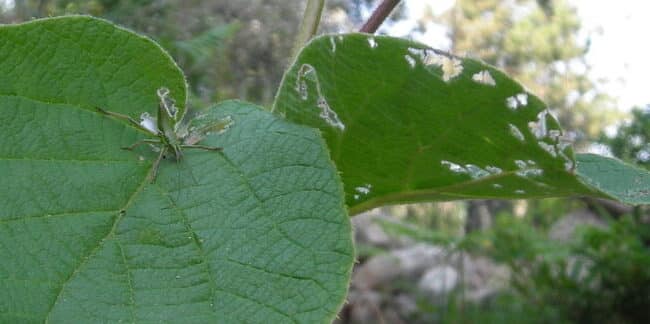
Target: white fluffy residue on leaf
(148, 122)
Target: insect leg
(203, 147)
(131, 121)
(144, 141)
(156, 164)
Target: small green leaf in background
(407, 123)
(256, 233)
(619, 180)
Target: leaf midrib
(403, 195)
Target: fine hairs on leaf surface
(256, 233)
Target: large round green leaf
(255, 233)
(405, 123)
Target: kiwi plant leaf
(257, 232)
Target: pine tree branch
(379, 16)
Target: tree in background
(632, 140)
(536, 42)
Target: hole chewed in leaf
(484, 77)
(328, 114)
(538, 127)
(517, 101)
(451, 66)
(523, 99)
(453, 167)
(528, 169)
(520, 164)
(475, 172)
(493, 169)
(362, 191)
(305, 73)
(553, 141)
(308, 73)
(372, 42)
(550, 149)
(516, 132)
(410, 60)
(511, 102)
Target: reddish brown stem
(378, 16)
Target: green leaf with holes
(407, 123)
(255, 233)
